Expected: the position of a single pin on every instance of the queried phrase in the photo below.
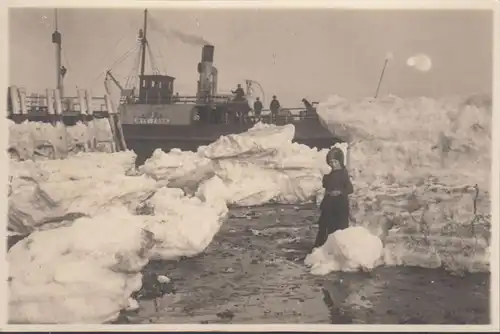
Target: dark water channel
(253, 273)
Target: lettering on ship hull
(151, 120)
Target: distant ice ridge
(421, 174)
(410, 139)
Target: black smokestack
(207, 53)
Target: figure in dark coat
(257, 108)
(335, 204)
(310, 109)
(275, 108)
(239, 93)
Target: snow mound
(407, 139)
(82, 273)
(87, 183)
(26, 137)
(256, 167)
(260, 138)
(352, 249)
(420, 170)
(172, 165)
(182, 226)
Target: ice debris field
(420, 169)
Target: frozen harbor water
(253, 272)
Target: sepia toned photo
(219, 166)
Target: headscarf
(337, 154)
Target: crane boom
(116, 82)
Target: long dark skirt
(334, 216)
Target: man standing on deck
(310, 109)
(257, 109)
(275, 108)
(240, 93)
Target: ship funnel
(208, 77)
(207, 53)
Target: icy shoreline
(258, 167)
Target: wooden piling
(82, 102)
(50, 101)
(91, 126)
(14, 97)
(88, 98)
(58, 104)
(22, 100)
(60, 126)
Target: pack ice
(93, 222)
(412, 204)
(421, 188)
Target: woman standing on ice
(335, 204)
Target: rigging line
(66, 59)
(153, 61)
(128, 80)
(125, 56)
(156, 27)
(132, 78)
(115, 63)
(162, 61)
(135, 68)
(106, 54)
(137, 64)
(119, 60)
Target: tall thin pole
(381, 76)
(57, 40)
(144, 41)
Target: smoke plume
(188, 38)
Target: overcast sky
(291, 53)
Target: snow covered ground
(421, 174)
(414, 174)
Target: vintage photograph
(249, 166)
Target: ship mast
(144, 41)
(57, 40)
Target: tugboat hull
(143, 139)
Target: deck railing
(67, 111)
(21, 105)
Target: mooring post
(61, 127)
(50, 102)
(50, 106)
(14, 97)
(58, 105)
(22, 100)
(88, 99)
(82, 102)
(91, 126)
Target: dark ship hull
(143, 139)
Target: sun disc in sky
(420, 62)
